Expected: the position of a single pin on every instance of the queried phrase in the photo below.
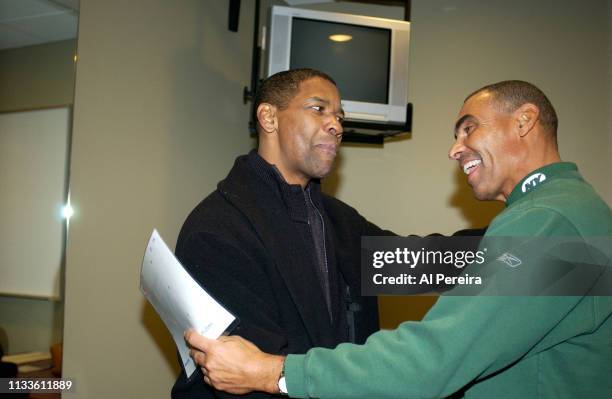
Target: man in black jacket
(279, 254)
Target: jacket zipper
(327, 294)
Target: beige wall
(34, 77)
(37, 76)
(455, 48)
(159, 119)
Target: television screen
(358, 59)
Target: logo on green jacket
(510, 259)
(532, 181)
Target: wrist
(282, 382)
(276, 370)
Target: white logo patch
(510, 259)
(532, 181)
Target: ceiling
(30, 22)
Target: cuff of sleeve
(295, 375)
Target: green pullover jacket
(489, 346)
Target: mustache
(468, 156)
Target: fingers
(205, 374)
(198, 357)
(198, 341)
(229, 363)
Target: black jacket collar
(243, 188)
(292, 195)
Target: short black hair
(511, 94)
(281, 87)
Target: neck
(273, 157)
(530, 161)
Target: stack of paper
(179, 300)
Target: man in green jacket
(485, 346)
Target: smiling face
(307, 132)
(486, 148)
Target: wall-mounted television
(366, 56)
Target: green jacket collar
(540, 177)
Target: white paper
(178, 299)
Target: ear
(266, 116)
(526, 117)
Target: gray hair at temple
(511, 94)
